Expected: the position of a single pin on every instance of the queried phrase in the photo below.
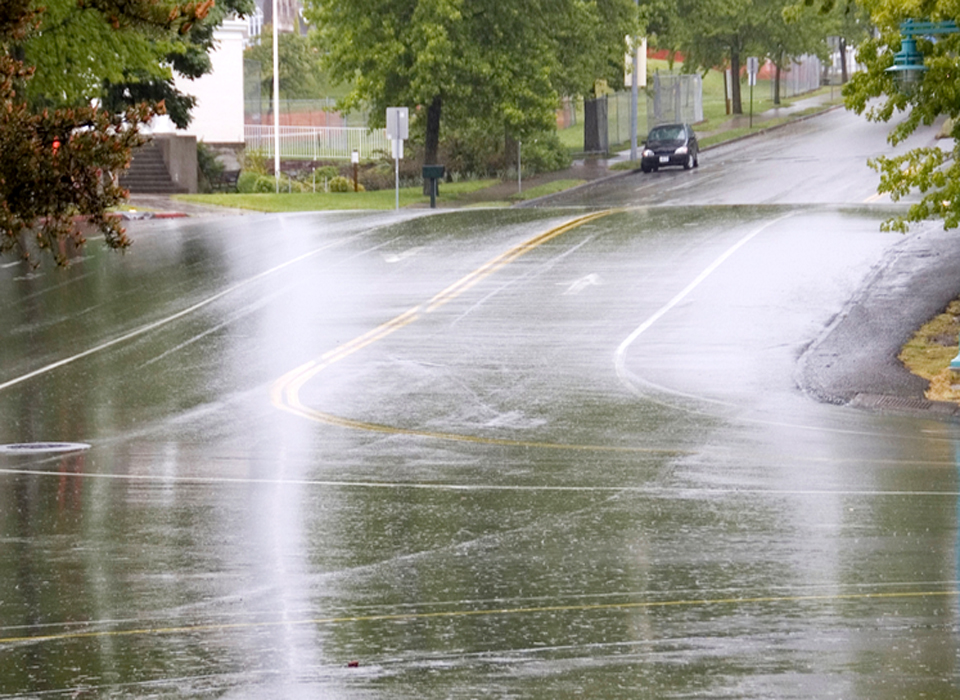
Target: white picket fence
(317, 142)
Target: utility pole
(634, 96)
(276, 95)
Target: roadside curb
(885, 403)
(146, 215)
(913, 282)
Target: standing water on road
(526, 453)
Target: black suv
(670, 144)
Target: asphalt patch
(854, 361)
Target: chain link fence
(669, 98)
(613, 113)
(674, 98)
(800, 76)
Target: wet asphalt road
(566, 451)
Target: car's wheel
(689, 162)
(646, 168)
(696, 161)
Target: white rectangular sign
(753, 67)
(641, 56)
(398, 123)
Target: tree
(715, 33)
(78, 55)
(503, 63)
(709, 34)
(300, 75)
(851, 25)
(931, 171)
(789, 32)
(60, 163)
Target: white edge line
(156, 324)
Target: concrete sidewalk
(158, 206)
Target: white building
(218, 113)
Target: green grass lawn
(332, 201)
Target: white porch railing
(316, 142)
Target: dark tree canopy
(301, 77)
(934, 172)
(723, 33)
(60, 155)
(491, 62)
(123, 53)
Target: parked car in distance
(670, 144)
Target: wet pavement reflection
(523, 453)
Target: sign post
(398, 131)
(276, 99)
(635, 78)
(355, 159)
(753, 67)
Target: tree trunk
(431, 147)
(432, 142)
(776, 85)
(776, 80)
(735, 81)
(843, 60)
(509, 149)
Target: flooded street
(566, 451)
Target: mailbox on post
(432, 175)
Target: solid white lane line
(620, 355)
(169, 319)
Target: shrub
(247, 182)
(317, 177)
(476, 151)
(254, 161)
(379, 176)
(326, 171)
(209, 168)
(544, 154)
(340, 184)
(265, 183)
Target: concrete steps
(148, 173)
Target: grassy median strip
(929, 352)
(334, 201)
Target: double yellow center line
(796, 600)
(285, 392)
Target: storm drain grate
(44, 447)
(901, 403)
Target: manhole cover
(38, 447)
